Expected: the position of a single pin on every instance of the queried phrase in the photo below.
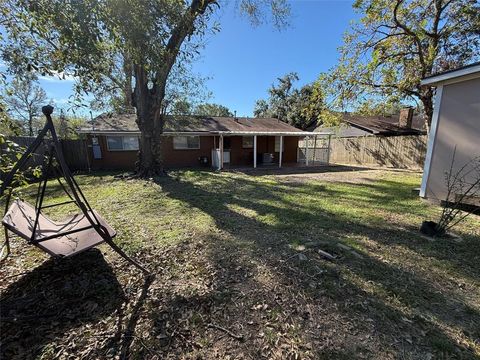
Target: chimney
(405, 118)
(235, 116)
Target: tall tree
(298, 107)
(209, 109)
(279, 103)
(396, 43)
(24, 99)
(381, 108)
(86, 38)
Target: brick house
(194, 141)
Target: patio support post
(254, 151)
(306, 150)
(281, 152)
(220, 166)
(328, 150)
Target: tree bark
(150, 123)
(30, 124)
(127, 86)
(149, 101)
(426, 98)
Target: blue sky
(243, 61)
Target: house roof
(344, 131)
(360, 125)
(114, 123)
(463, 72)
(385, 125)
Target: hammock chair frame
(75, 194)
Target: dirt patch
(342, 174)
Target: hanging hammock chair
(59, 239)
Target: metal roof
(126, 123)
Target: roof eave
(211, 133)
(363, 127)
(457, 75)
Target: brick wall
(239, 156)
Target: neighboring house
(396, 141)
(455, 127)
(352, 125)
(190, 141)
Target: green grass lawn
(239, 274)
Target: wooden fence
(402, 152)
(74, 151)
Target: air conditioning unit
(267, 158)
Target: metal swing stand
(79, 233)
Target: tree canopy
(24, 99)
(92, 39)
(8, 126)
(299, 107)
(209, 109)
(396, 43)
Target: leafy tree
(261, 108)
(24, 99)
(114, 93)
(181, 107)
(67, 126)
(397, 43)
(371, 107)
(298, 107)
(279, 103)
(8, 126)
(87, 39)
(212, 110)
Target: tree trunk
(30, 124)
(150, 121)
(150, 162)
(149, 101)
(127, 87)
(427, 101)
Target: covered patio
(262, 149)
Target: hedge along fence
(74, 151)
(402, 152)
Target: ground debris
(229, 283)
(326, 255)
(228, 332)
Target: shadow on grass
(293, 170)
(348, 308)
(397, 197)
(409, 312)
(60, 297)
(54, 299)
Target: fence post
(328, 149)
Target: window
(122, 143)
(130, 143)
(247, 142)
(277, 144)
(186, 142)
